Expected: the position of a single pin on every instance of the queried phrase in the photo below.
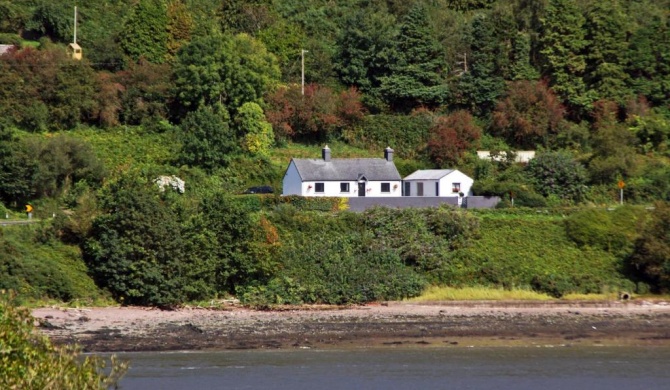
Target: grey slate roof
(429, 174)
(346, 169)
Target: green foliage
(364, 42)
(558, 173)
(416, 65)
(207, 139)
(480, 87)
(613, 231)
(145, 88)
(613, 146)
(531, 251)
(650, 260)
(46, 89)
(62, 161)
(607, 27)
(28, 360)
(42, 269)
(136, 249)
(16, 168)
(144, 33)
(228, 70)
(563, 40)
(254, 130)
(406, 134)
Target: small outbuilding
(438, 182)
(74, 50)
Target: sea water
(543, 368)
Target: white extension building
(438, 182)
(375, 177)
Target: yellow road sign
(621, 184)
(29, 208)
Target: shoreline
(427, 324)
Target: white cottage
(376, 177)
(437, 182)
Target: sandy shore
(451, 324)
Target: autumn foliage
(528, 114)
(451, 136)
(317, 114)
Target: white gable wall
(447, 184)
(292, 184)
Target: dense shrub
(650, 259)
(405, 134)
(613, 231)
(28, 360)
(42, 270)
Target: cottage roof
(429, 174)
(350, 169)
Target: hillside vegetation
(212, 92)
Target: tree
(613, 145)
(144, 33)
(416, 65)
(47, 89)
(316, 115)
(558, 173)
(207, 139)
(227, 70)
(451, 136)
(607, 28)
(253, 129)
(179, 27)
(649, 60)
(562, 42)
(527, 115)
(145, 92)
(62, 161)
(136, 248)
(480, 87)
(53, 20)
(17, 168)
(31, 361)
(363, 43)
(651, 257)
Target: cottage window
(386, 187)
(344, 187)
(319, 187)
(456, 187)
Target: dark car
(259, 190)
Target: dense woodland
(210, 91)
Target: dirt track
(430, 324)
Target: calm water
(593, 368)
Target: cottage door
(361, 188)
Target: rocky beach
(452, 324)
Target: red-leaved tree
(451, 136)
(315, 115)
(528, 114)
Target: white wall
(332, 188)
(447, 183)
(292, 184)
